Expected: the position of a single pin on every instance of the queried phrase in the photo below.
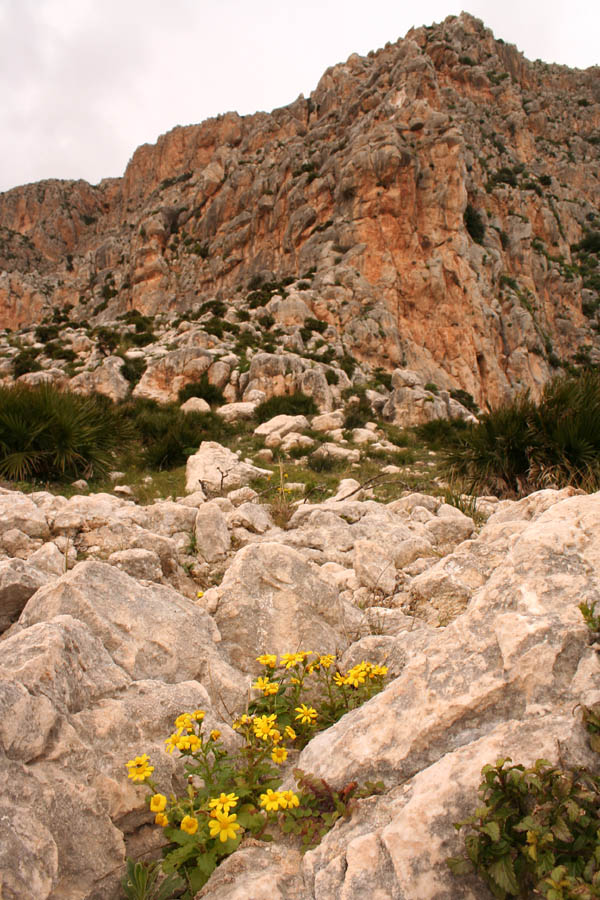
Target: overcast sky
(84, 82)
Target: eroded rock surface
(102, 659)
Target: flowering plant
(332, 691)
(233, 793)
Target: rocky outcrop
(424, 206)
(106, 653)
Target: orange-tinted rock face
(367, 182)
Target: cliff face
(380, 182)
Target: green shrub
(204, 389)
(474, 224)
(133, 369)
(325, 464)
(440, 433)
(347, 364)
(216, 307)
(332, 377)
(432, 387)
(358, 414)
(45, 333)
(106, 338)
(50, 435)
(521, 446)
(315, 325)
(169, 436)
(383, 378)
(535, 831)
(297, 404)
(25, 361)
(56, 350)
(465, 399)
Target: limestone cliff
(438, 188)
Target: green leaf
(175, 858)
(459, 866)
(206, 863)
(503, 873)
(560, 830)
(492, 829)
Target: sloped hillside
(442, 193)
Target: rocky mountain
(434, 205)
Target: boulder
(18, 511)
(272, 601)
(164, 377)
(104, 379)
(141, 564)
(150, 631)
(252, 516)
(332, 451)
(215, 468)
(18, 582)
(237, 412)
(212, 535)
(275, 429)
(195, 405)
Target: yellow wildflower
(327, 660)
(271, 688)
(377, 671)
(356, 676)
(198, 715)
(306, 714)
(243, 720)
(171, 742)
(291, 659)
(270, 800)
(264, 726)
(223, 826)
(140, 768)
(189, 824)
(184, 722)
(276, 736)
(261, 683)
(279, 754)
(188, 742)
(158, 803)
(223, 803)
(200, 594)
(289, 732)
(288, 799)
(339, 679)
(161, 819)
(215, 734)
(267, 659)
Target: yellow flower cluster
(185, 737)
(289, 660)
(158, 804)
(140, 768)
(267, 687)
(359, 673)
(274, 800)
(264, 727)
